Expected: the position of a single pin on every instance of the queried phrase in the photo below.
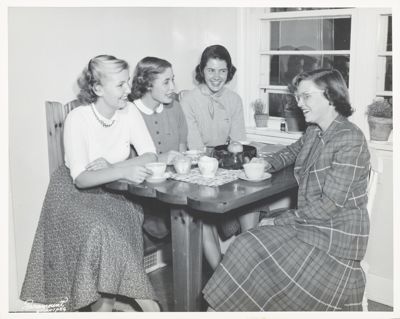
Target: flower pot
(295, 121)
(379, 128)
(261, 120)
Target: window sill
(271, 135)
(382, 146)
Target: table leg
(187, 256)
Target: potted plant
(380, 119)
(294, 117)
(260, 114)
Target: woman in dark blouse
(153, 94)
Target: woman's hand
(168, 157)
(136, 173)
(261, 160)
(97, 164)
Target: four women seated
(88, 247)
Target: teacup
(182, 165)
(208, 166)
(157, 168)
(254, 170)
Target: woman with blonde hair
(88, 247)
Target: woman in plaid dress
(307, 259)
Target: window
(384, 63)
(301, 40)
(357, 41)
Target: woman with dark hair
(152, 92)
(214, 113)
(88, 247)
(307, 259)
(214, 116)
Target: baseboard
(380, 289)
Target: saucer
(243, 176)
(160, 179)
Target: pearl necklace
(104, 124)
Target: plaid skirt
(269, 269)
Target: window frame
(364, 48)
(290, 16)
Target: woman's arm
(194, 139)
(345, 177)
(100, 171)
(285, 157)
(182, 128)
(237, 130)
(91, 178)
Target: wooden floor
(163, 285)
(162, 282)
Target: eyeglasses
(306, 95)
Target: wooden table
(189, 203)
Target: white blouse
(86, 140)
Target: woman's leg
(211, 247)
(104, 304)
(249, 220)
(148, 305)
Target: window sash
(265, 34)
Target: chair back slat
(55, 117)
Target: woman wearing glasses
(307, 259)
(214, 115)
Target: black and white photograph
(202, 157)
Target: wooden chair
(375, 170)
(55, 116)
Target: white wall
(48, 48)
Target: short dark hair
(332, 83)
(145, 73)
(215, 52)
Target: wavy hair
(96, 70)
(332, 83)
(146, 71)
(214, 52)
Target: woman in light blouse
(214, 117)
(88, 247)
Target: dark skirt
(87, 242)
(269, 269)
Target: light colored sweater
(212, 118)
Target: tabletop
(218, 199)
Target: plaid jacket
(331, 169)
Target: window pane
(389, 35)
(384, 77)
(278, 102)
(284, 67)
(388, 74)
(311, 34)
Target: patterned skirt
(87, 242)
(269, 269)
